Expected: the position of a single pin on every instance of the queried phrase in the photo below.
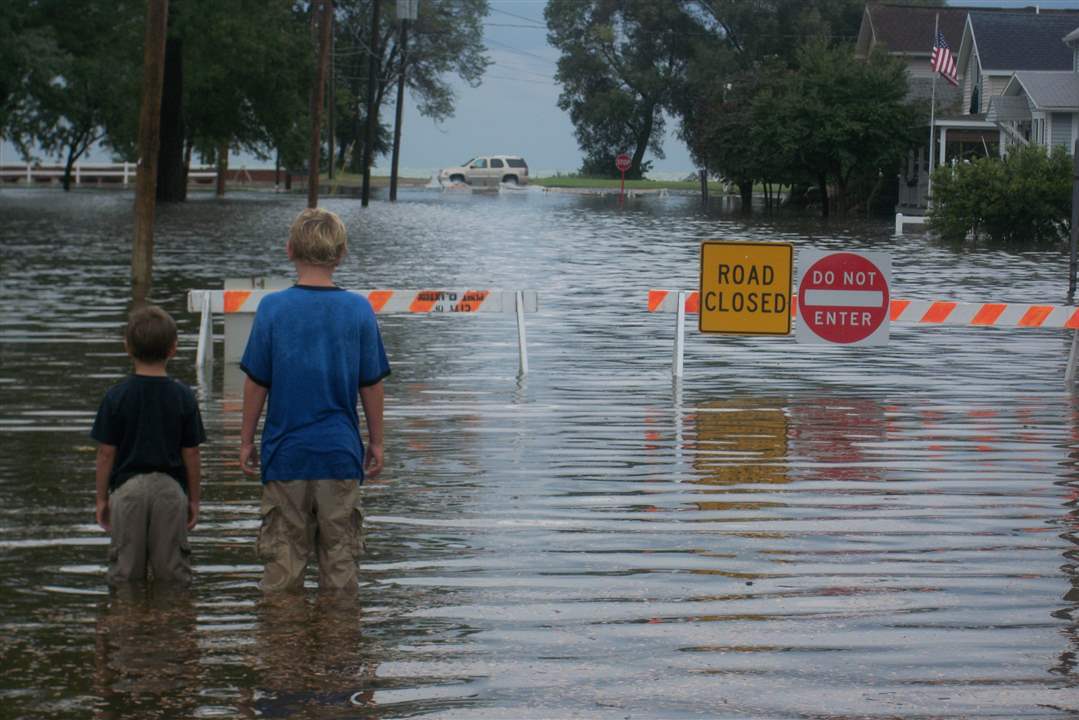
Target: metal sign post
(623, 163)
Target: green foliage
(622, 62)
(29, 59)
(1023, 199)
(826, 120)
(77, 89)
(247, 71)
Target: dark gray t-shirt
(149, 419)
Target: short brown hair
(318, 237)
(150, 334)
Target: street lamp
(406, 10)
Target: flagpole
(932, 117)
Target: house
(906, 32)
(1042, 107)
(994, 46)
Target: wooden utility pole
(1073, 264)
(316, 103)
(400, 107)
(331, 105)
(153, 72)
(372, 81)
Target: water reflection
(309, 659)
(147, 657)
(787, 532)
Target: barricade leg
(522, 344)
(1073, 358)
(205, 351)
(679, 336)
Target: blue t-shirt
(313, 348)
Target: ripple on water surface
(791, 531)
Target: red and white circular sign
(623, 162)
(843, 297)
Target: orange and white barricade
(922, 313)
(240, 298)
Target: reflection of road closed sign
(622, 162)
(746, 288)
(843, 297)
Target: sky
(515, 109)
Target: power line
(521, 52)
(520, 17)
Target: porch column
(941, 147)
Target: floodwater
(789, 532)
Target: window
(976, 88)
(1060, 125)
(516, 162)
(496, 163)
(479, 163)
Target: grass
(577, 181)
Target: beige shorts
(149, 531)
(303, 517)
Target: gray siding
(1061, 129)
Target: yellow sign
(746, 288)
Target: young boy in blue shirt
(313, 349)
(149, 471)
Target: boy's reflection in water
(147, 655)
(309, 659)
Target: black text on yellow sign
(746, 288)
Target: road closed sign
(843, 297)
(746, 288)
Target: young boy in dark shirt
(148, 430)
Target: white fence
(88, 173)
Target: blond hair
(318, 237)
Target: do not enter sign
(843, 297)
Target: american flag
(943, 61)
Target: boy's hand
(102, 515)
(249, 459)
(372, 462)
(192, 514)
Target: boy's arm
(193, 465)
(373, 398)
(254, 400)
(106, 456)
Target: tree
(92, 81)
(1023, 199)
(621, 63)
(237, 76)
(445, 39)
(854, 120)
(29, 59)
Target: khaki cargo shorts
(149, 531)
(301, 518)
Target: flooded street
(791, 531)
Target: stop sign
(623, 162)
(843, 297)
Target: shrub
(1023, 199)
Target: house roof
(1008, 108)
(909, 28)
(1048, 90)
(1023, 41)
